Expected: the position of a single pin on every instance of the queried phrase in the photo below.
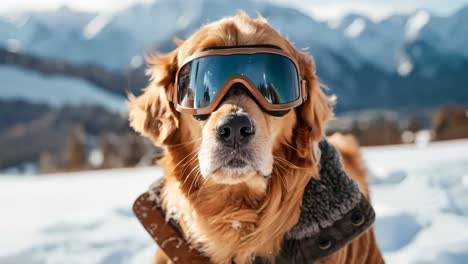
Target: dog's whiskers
(196, 168)
(281, 170)
(192, 159)
(184, 143)
(290, 146)
(191, 153)
(288, 163)
(201, 186)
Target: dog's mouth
(235, 163)
(232, 166)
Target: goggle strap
(304, 89)
(171, 94)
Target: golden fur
(207, 204)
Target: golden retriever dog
(209, 197)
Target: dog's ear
(316, 109)
(151, 113)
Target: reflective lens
(275, 76)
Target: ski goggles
(270, 74)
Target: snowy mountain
(50, 69)
(33, 87)
(414, 60)
(115, 39)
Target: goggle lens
(274, 76)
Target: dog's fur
(235, 214)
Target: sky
(320, 9)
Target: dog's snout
(235, 130)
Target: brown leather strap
(168, 238)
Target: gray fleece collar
(327, 199)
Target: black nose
(235, 130)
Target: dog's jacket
(333, 213)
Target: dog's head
(238, 141)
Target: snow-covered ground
(74, 218)
(420, 195)
(421, 199)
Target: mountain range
(418, 60)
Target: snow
(415, 24)
(355, 28)
(405, 66)
(136, 61)
(28, 85)
(334, 23)
(405, 225)
(13, 45)
(420, 194)
(73, 218)
(422, 217)
(96, 25)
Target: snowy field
(420, 196)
